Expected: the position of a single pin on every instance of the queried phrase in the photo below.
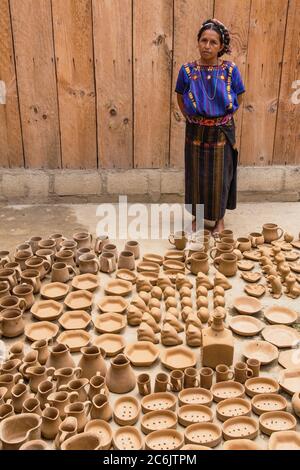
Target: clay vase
(41, 346)
(11, 323)
(60, 356)
(80, 411)
(101, 408)
(50, 422)
(120, 377)
(296, 403)
(67, 429)
(92, 361)
(44, 390)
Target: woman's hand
(181, 105)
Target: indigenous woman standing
(209, 92)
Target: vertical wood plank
(73, 41)
(33, 39)
(264, 64)
(287, 140)
(152, 51)
(11, 148)
(188, 17)
(113, 68)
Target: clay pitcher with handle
(120, 377)
(92, 361)
(67, 428)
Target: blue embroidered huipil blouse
(192, 79)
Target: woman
(209, 91)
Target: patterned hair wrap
(222, 30)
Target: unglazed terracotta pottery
(228, 389)
(6, 410)
(88, 263)
(158, 420)
(118, 287)
(126, 411)
(62, 272)
(144, 384)
(67, 429)
(74, 339)
(158, 401)
(100, 242)
(54, 290)
(178, 357)
(108, 262)
(113, 303)
(97, 386)
(75, 320)
(190, 414)
(241, 444)
(38, 374)
(9, 275)
(126, 275)
(169, 335)
(41, 330)
(255, 290)
(245, 325)
(87, 282)
(271, 232)
(233, 407)
(279, 315)
(110, 323)
(240, 427)
(35, 444)
(112, 344)
(217, 343)
(179, 239)
(251, 277)
(11, 323)
(83, 441)
(277, 421)
(101, 408)
(92, 361)
(16, 430)
(50, 423)
(168, 439)
(145, 333)
(24, 291)
(208, 434)
(289, 381)
(281, 336)
(79, 300)
(148, 266)
(127, 261)
(195, 396)
(47, 310)
(120, 377)
(197, 262)
(247, 305)
(80, 411)
(284, 440)
(127, 438)
(142, 353)
(60, 357)
(40, 264)
(226, 263)
(103, 429)
(258, 385)
(254, 365)
(261, 350)
(44, 390)
(268, 402)
(296, 403)
(12, 302)
(289, 359)
(64, 375)
(134, 247)
(242, 372)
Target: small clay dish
(259, 385)
(99, 426)
(190, 414)
(289, 359)
(296, 244)
(110, 322)
(279, 315)
(54, 290)
(295, 267)
(126, 411)
(245, 265)
(247, 305)
(47, 310)
(268, 402)
(149, 276)
(291, 256)
(177, 255)
(153, 258)
(251, 277)
(194, 447)
(255, 290)
(112, 344)
(195, 396)
(178, 357)
(142, 353)
(158, 401)
(148, 266)
(208, 434)
(227, 389)
(118, 287)
(112, 303)
(126, 275)
(253, 255)
(75, 320)
(281, 336)
(86, 281)
(277, 421)
(41, 330)
(164, 439)
(174, 265)
(233, 407)
(284, 440)
(79, 300)
(289, 381)
(245, 325)
(74, 339)
(158, 420)
(241, 444)
(127, 438)
(261, 350)
(240, 427)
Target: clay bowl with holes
(241, 444)
(164, 439)
(41, 330)
(246, 305)
(75, 320)
(290, 359)
(86, 281)
(227, 389)
(284, 440)
(110, 322)
(112, 344)
(153, 258)
(240, 427)
(118, 287)
(142, 353)
(74, 339)
(54, 290)
(158, 420)
(208, 434)
(101, 427)
(289, 381)
(244, 325)
(112, 303)
(265, 402)
(127, 438)
(158, 401)
(46, 310)
(148, 266)
(233, 407)
(126, 411)
(79, 300)
(191, 414)
(274, 421)
(279, 315)
(194, 447)
(281, 336)
(195, 396)
(261, 350)
(259, 385)
(178, 357)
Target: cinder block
(14, 184)
(37, 185)
(77, 183)
(260, 196)
(127, 182)
(292, 179)
(172, 182)
(260, 179)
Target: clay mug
(229, 241)
(144, 384)
(12, 302)
(25, 292)
(126, 260)
(69, 245)
(79, 411)
(176, 380)
(107, 262)
(219, 249)
(32, 277)
(88, 263)
(3, 391)
(24, 247)
(65, 256)
(29, 360)
(45, 388)
(206, 377)
(16, 351)
(254, 365)
(162, 383)
(191, 378)
(110, 248)
(51, 421)
(194, 247)
(243, 244)
(198, 262)
(62, 272)
(9, 275)
(82, 251)
(4, 258)
(32, 405)
(134, 247)
(10, 366)
(64, 375)
(179, 239)
(11, 322)
(47, 243)
(205, 241)
(100, 242)
(97, 386)
(34, 243)
(38, 374)
(62, 399)
(20, 258)
(41, 346)
(6, 410)
(242, 372)
(8, 381)
(270, 232)
(256, 239)
(83, 239)
(226, 264)
(67, 428)
(16, 266)
(46, 254)
(19, 393)
(4, 289)
(101, 408)
(58, 238)
(226, 233)
(77, 385)
(223, 373)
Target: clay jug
(16, 350)
(38, 374)
(29, 360)
(101, 408)
(60, 356)
(120, 377)
(11, 366)
(62, 399)
(19, 393)
(92, 361)
(6, 410)
(79, 411)
(97, 386)
(45, 388)
(41, 346)
(3, 391)
(67, 428)
(32, 405)
(50, 422)
(64, 375)
(77, 385)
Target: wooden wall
(90, 83)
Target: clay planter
(120, 377)
(92, 361)
(83, 441)
(16, 430)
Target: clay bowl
(54, 290)
(195, 396)
(289, 381)
(126, 275)
(281, 336)
(158, 420)
(112, 303)
(101, 427)
(255, 290)
(174, 265)
(279, 315)
(79, 300)
(277, 421)
(46, 310)
(153, 258)
(110, 322)
(194, 447)
(83, 441)
(74, 339)
(233, 407)
(142, 353)
(148, 266)
(289, 359)
(227, 389)
(149, 276)
(251, 277)
(164, 439)
(261, 350)
(36, 444)
(158, 401)
(247, 305)
(245, 265)
(241, 444)
(265, 402)
(127, 438)
(41, 330)
(259, 385)
(112, 344)
(118, 287)
(85, 282)
(178, 357)
(18, 429)
(75, 320)
(284, 440)
(208, 434)
(177, 255)
(191, 414)
(126, 411)
(244, 325)
(240, 427)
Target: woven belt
(204, 121)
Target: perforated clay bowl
(233, 407)
(191, 414)
(265, 402)
(168, 439)
(208, 434)
(195, 396)
(240, 427)
(158, 420)
(273, 421)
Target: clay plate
(277, 421)
(227, 389)
(190, 414)
(74, 339)
(153, 258)
(112, 303)
(278, 315)
(268, 402)
(118, 287)
(251, 277)
(126, 275)
(41, 330)
(158, 401)
(127, 438)
(244, 325)
(165, 439)
(141, 353)
(281, 336)
(126, 411)
(290, 359)
(241, 444)
(158, 420)
(46, 310)
(174, 265)
(245, 265)
(233, 407)
(54, 290)
(240, 427)
(87, 281)
(112, 344)
(208, 434)
(99, 426)
(289, 380)
(284, 440)
(178, 357)
(253, 255)
(261, 350)
(255, 290)
(147, 266)
(177, 255)
(75, 320)
(261, 385)
(195, 396)
(295, 267)
(79, 300)
(110, 322)
(247, 305)
(296, 244)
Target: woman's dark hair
(222, 31)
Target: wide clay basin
(83, 441)
(18, 429)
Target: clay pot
(16, 430)
(67, 429)
(59, 357)
(120, 377)
(101, 408)
(92, 361)
(50, 422)
(296, 403)
(83, 441)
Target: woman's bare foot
(194, 225)
(219, 226)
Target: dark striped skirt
(211, 168)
